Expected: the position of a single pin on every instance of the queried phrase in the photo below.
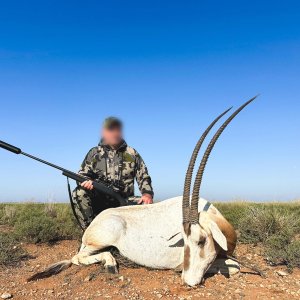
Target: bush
(34, 222)
(276, 229)
(262, 222)
(282, 250)
(10, 253)
(34, 226)
(293, 254)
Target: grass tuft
(10, 252)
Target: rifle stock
(101, 187)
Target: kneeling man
(116, 163)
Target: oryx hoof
(112, 269)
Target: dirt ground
(89, 282)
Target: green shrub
(33, 226)
(293, 254)
(276, 228)
(262, 222)
(283, 250)
(10, 253)
(45, 223)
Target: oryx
(172, 233)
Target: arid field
(33, 236)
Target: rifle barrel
(44, 161)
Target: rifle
(98, 185)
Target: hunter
(115, 163)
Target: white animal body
(149, 235)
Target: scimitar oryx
(185, 232)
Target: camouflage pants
(88, 204)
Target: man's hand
(88, 184)
(146, 199)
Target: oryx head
(203, 239)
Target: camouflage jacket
(119, 167)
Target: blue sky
(167, 68)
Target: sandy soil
(91, 283)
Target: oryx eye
(202, 241)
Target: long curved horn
(189, 173)
(194, 218)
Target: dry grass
(276, 226)
(10, 251)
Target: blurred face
(112, 136)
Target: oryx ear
(218, 236)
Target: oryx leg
(106, 258)
(102, 233)
(225, 266)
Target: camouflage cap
(112, 122)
